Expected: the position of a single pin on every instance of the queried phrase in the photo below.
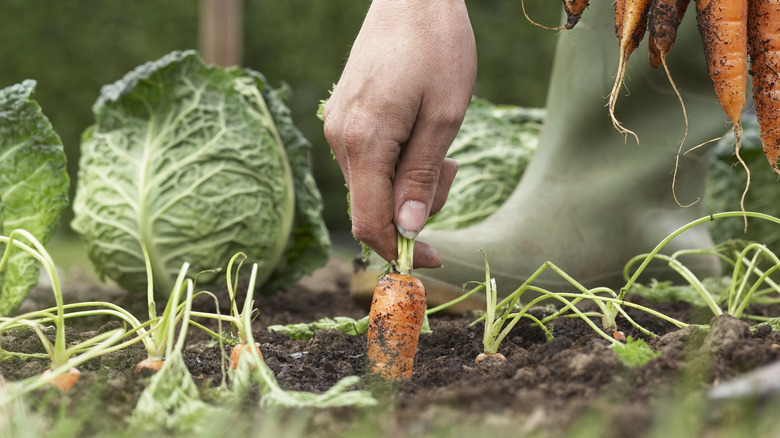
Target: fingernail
(411, 218)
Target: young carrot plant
(752, 266)
(250, 369)
(65, 359)
(172, 401)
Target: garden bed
(573, 385)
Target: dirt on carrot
(764, 48)
(663, 21)
(723, 29)
(574, 10)
(394, 324)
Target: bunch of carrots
(732, 31)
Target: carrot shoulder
(395, 320)
(238, 350)
(764, 47)
(66, 380)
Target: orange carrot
(723, 29)
(238, 350)
(66, 380)
(394, 324)
(574, 10)
(764, 46)
(662, 24)
(630, 26)
(147, 364)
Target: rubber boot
(591, 199)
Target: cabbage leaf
(199, 163)
(492, 148)
(33, 185)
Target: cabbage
(33, 186)
(199, 163)
(493, 148)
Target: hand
(403, 93)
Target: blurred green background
(73, 48)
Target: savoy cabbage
(33, 186)
(199, 163)
(493, 147)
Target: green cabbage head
(199, 163)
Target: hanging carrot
(663, 21)
(394, 324)
(630, 26)
(764, 45)
(574, 10)
(723, 29)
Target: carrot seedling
(172, 399)
(250, 370)
(64, 359)
(750, 280)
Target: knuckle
(421, 176)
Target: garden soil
(572, 385)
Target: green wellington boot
(590, 200)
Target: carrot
(482, 356)
(764, 47)
(723, 29)
(238, 350)
(394, 324)
(630, 27)
(66, 380)
(574, 10)
(148, 364)
(663, 21)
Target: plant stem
(405, 262)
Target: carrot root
(238, 350)
(630, 26)
(147, 364)
(394, 325)
(764, 49)
(482, 356)
(66, 380)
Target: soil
(573, 383)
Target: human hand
(394, 113)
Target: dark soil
(574, 382)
